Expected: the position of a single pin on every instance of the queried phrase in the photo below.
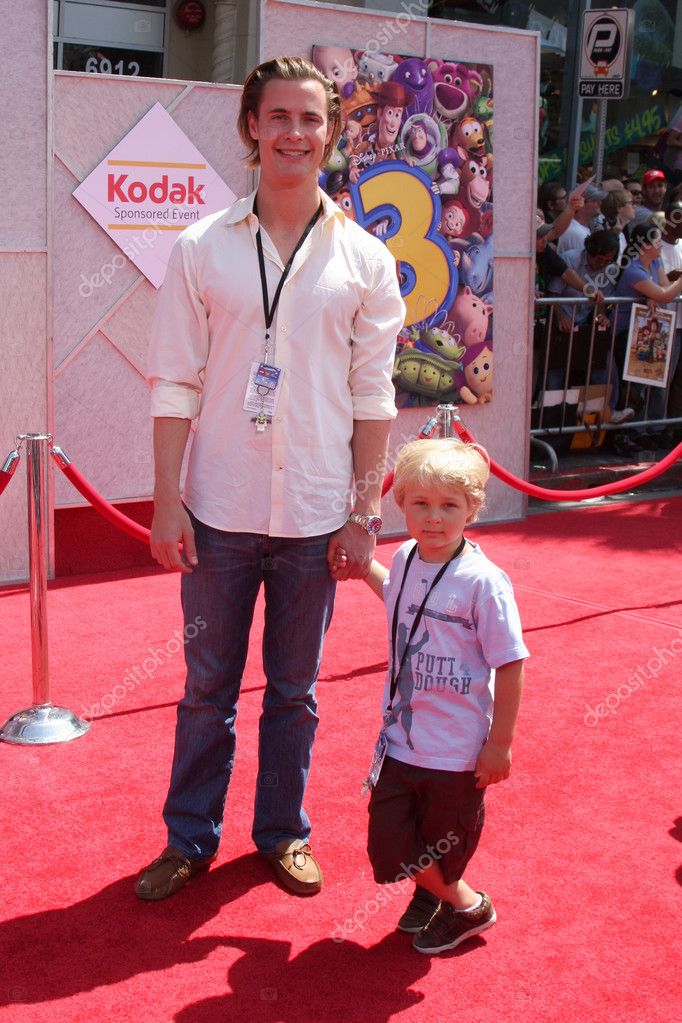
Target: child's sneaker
(447, 928)
(420, 910)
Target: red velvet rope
(111, 514)
(5, 477)
(141, 533)
(576, 495)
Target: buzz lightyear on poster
(414, 165)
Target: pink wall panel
(94, 112)
(24, 233)
(24, 116)
(214, 134)
(101, 419)
(102, 309)
(129, 324)
(23, 390)
(89, 277)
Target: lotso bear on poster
(414, 165)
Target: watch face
(371, 523)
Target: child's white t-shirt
(470, 625)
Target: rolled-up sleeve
(180, 342)
(374, 334)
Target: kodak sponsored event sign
(151, 186)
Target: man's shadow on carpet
(112, 936)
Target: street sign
(606, 53)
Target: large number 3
(402, 195)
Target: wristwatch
(372, 523)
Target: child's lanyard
(395, 676)
(268, 310)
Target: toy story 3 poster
(414, 166)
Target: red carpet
(580, 854)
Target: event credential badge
(262, 391)
(378, 758)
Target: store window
(550, 19)
(106, 37)
(635, 126)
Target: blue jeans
(221, 592)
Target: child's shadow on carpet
(331, 981)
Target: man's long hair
(285, 69)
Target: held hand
(172, 524)
(340, 561)
(493, 764)
(354, 544)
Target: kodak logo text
(121, 190)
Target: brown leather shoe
(295, 866)
(168, 874)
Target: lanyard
(269, 310)
(395, 676)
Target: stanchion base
(43, 724)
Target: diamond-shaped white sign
(151, 186)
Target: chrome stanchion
(446, 416)
(42, 723)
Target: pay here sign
(605, 54)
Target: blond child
(452, 694)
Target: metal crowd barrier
(575, 370)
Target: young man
(654, 187)
(552, 200)
(276, 332)
(575, 234)
(634, 187)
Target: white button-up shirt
(333, 336)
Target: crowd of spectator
(621, 239)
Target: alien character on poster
(414, 165)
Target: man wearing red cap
(654, 187)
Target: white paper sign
(151, 186)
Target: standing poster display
(650, 342)
(414, 165)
